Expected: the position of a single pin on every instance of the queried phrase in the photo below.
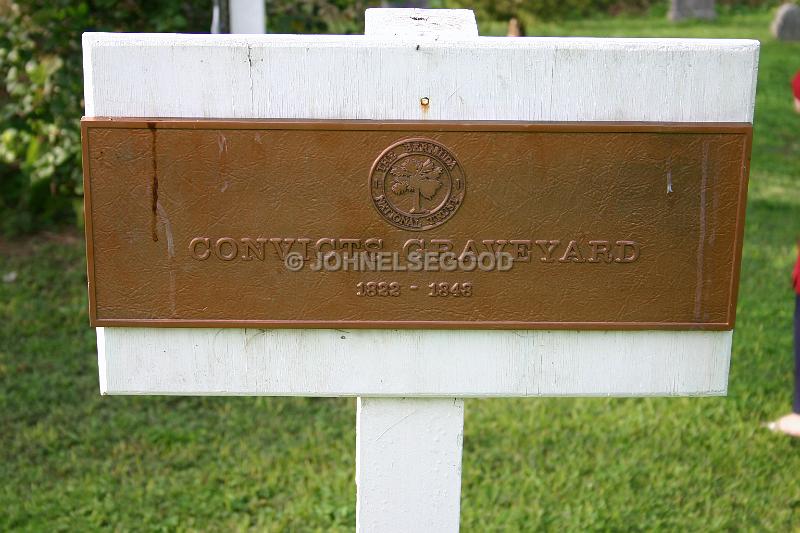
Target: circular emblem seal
(417, 184)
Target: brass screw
(424, 101)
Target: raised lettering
(623, 256)
(572, 253)
(495, 246)
(600, 249)
(325, 241)
(281, 247)
(442, 245)
(253, 248)
(349, 245)
(547, 249)
(234, 249)
(522, 250)
(205, 241)
(469, 249)
(419, 244)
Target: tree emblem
(417, 184)
(417, 175)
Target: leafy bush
(317, 16)
(41, 103)
(42, 86)
(38, 146)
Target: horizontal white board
(410, 363)
(359, 77)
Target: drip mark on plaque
(154, 187)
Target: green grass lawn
(74, 461)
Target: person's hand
(797, 104)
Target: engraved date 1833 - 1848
(394, 288)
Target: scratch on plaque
(167, 229)
(698, 295)
(222, 142)
(171, 251)
(669, 175)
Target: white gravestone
(692, 9)
(786, 24)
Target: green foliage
(41, 86)
(544, 10)
(38, 147)
(40, 97)
(532, 13)
(340, 17)
(71, 460)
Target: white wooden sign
(411, 383)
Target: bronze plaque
(232, 223)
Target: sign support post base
(408, 464)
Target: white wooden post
(408, 464)
(247, 16)
(409, 450)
